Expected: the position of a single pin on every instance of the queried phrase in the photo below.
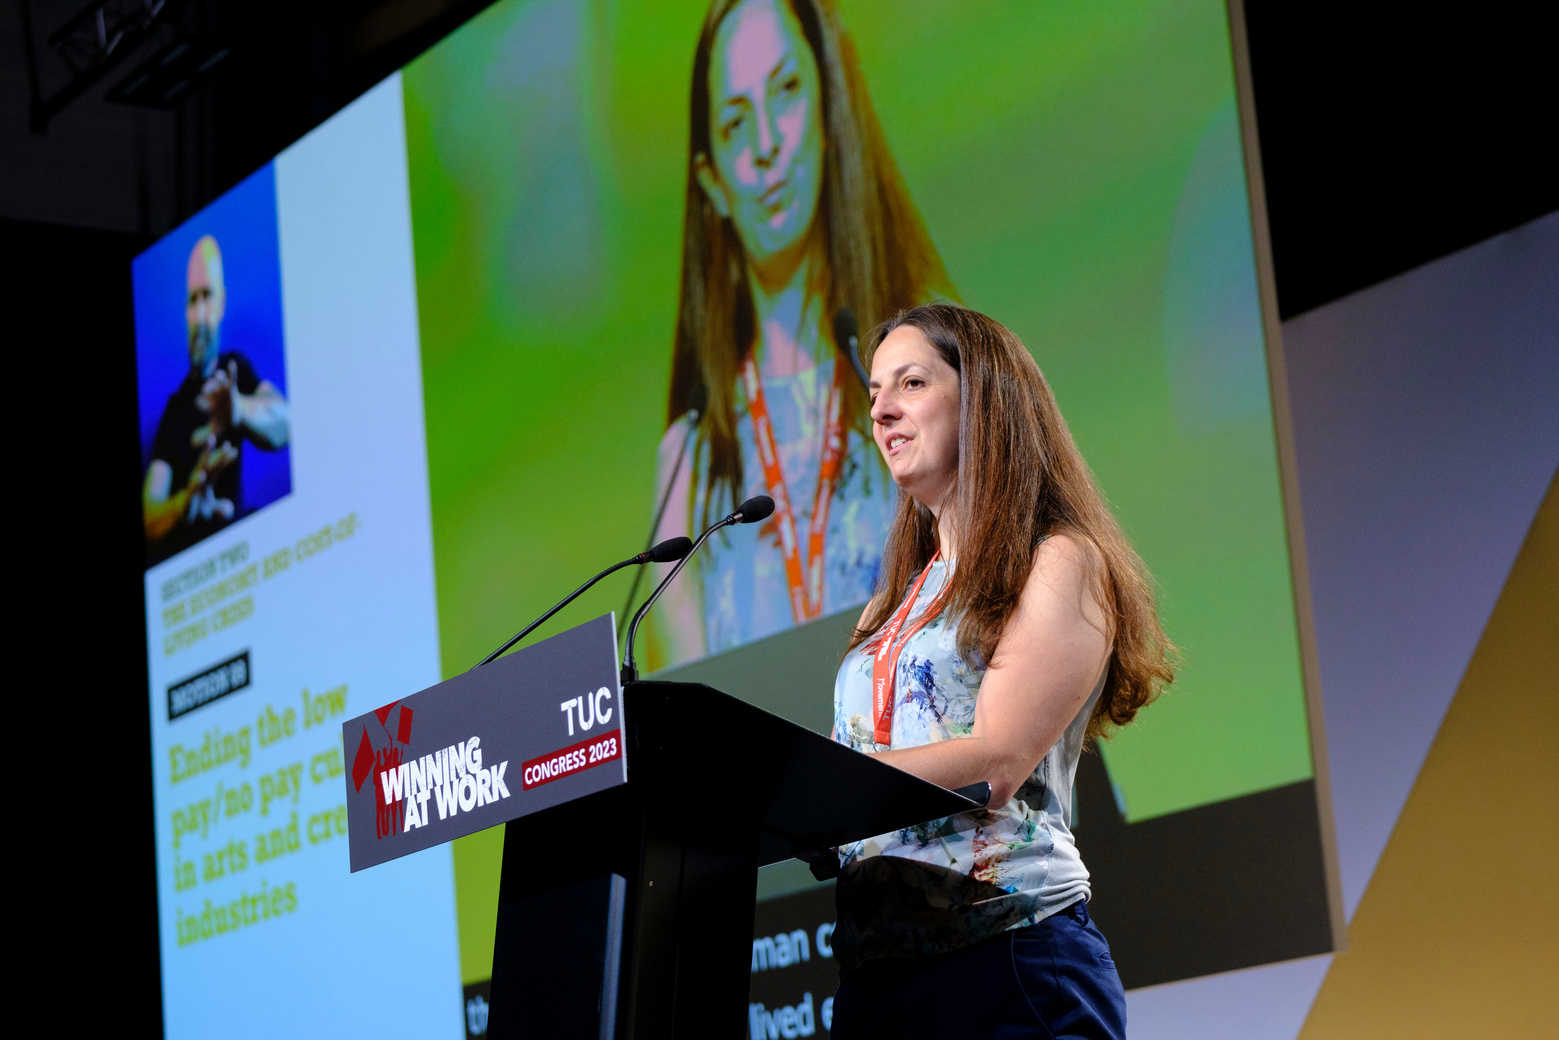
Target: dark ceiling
(1389, 135)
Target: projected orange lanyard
(885, 657)
(805, 577)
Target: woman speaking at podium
(1013, 622)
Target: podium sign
(532, 730)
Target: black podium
(627, 914)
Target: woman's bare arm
(1049, 660)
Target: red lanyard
(885, 659)
(805, 579)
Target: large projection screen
(419, 376)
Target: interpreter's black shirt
(180, 440)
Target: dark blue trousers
(1050, 980)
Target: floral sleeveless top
(955, 881)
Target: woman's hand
(1051, 657)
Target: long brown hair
(880, 258)
(1020, 479)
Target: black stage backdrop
(91, 934)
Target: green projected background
(1079, 168)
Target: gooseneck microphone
(697, 401)
(749, 512)
(671, 549)
(847, 337)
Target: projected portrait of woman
(798, 228)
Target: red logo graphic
(389, 819)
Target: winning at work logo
(389, 819)
(453, 778)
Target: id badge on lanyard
(885, 659)
(803, 576)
